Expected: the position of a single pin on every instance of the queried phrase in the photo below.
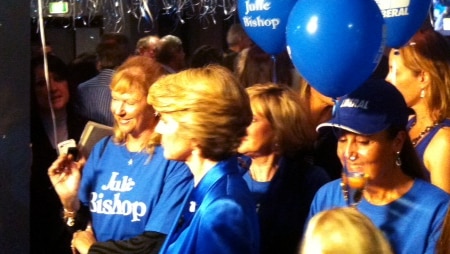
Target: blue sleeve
(227, 229)
(436, 228)
(176, 185)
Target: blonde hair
(210, 106)
(136, 75)
(428, 51)
(280, 105)
(343, 231)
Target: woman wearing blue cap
(372, 140)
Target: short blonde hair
(209, 104)
(343, 231)
(281, 106)
(136, 75)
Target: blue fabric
(126, 200)
(284, 202)
(422, 145)
(94, 98)
(218, 216)
(412, 223)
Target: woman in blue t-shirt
(127, 189)
(372, 140)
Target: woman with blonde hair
(127, 189)
(421, 72)
(278, 173)
(204, 115)
(343, 231)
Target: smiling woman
(130, 191)
(372, 139)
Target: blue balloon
(265, 22)
(335, 44)
(403, 18)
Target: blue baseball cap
(373, 107)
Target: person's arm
(146, 243)
(436, 159)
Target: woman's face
(373, 155)
(131, 112)
(406, 81)
(259, 139)
(59, 90)
(176, 146)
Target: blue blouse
(218, 216)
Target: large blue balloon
(403, 18)
(265, 22)
(335, 44)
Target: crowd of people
(225, 152)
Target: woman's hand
(83, 240)
(65, 175)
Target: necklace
(415, 140)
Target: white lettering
(390, 13)
(259, 22)
(259, 5)
(126, 184)
(126, 207)
(355, 103)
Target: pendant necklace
(132, 156)
(415, 140)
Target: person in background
(237, 40)
(146, 46)
(128, 190)
(421, 71)
(370, 123)
(282, 181)
(254, 66)
(51, 122)
(82, 68)
(319, 109)
(343, 231)
(170, 54)
(94, 95)
(204, 115)
(206, 55)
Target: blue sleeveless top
(422, 145)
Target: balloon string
(274, 69)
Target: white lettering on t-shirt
(117, 206)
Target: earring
(422, 93)
(398, 160)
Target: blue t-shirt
(218, 216)
(129, 193)
(412, 223)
